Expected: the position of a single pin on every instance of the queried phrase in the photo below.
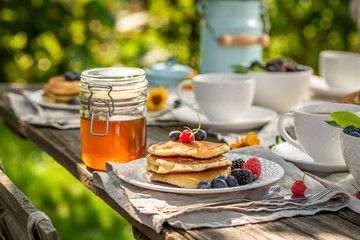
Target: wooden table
(64, 147)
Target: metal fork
(319, 195)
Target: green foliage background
(43, 38)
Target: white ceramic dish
(36, 97)
(319, 86)
(351, 153)
(304, 161)
(255, 117)
(134, 172)
(281, 91)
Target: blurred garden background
(43, 38)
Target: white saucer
(255, 117)
(304, 161)
(36, 97)
(320, 86)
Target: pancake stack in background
(187, 164)
(62, 89)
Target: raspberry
(254, 165)
(357, 195)
(298, 188)
(187, 136)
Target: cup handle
(283, 132)
(186, 98)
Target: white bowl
(281, 91)
(350, 147)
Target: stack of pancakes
(187, 164)
(59, 90)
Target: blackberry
(276, 65)
(237, 163)
(293, 67)
(243, 176)
(349, 129)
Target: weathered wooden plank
(325, 226)
(20, 208)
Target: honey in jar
(113, 123)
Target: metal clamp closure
(92, 101)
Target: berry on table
(237, 163)
(243, 176)
(204, 185)
(254, 165)
(298, 188)
(187, 136)
(357, 195)
(218, 183)
(174, 135)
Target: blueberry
(204, 185)
(355, 134)
(218, 183)
(73, 101)
(223, 177)
(200, 135)
(293, 67)
(255, 177)
(349, 129)
(77, 74)
(177, 103)
(174, 135)
(276, 65)
(231, 181)
(69, 76)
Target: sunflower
(249, 140)
(156, 99)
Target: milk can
(232, 32)
(112, 115)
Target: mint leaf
(240, 69)
(345, 118)
(333, 124)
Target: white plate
(135, 173)
(36, 97)
(320, 86)
(255, 117)
(303, 160)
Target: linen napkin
(35, 114)
(146, 205)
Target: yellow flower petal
(156, 99)
(248, 141)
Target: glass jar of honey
(112, 111)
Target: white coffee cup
(314, 136)
(221, 97)
(340, 69)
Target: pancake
(166, 165)
(196, 149)
(190, 180)
(59, 85)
